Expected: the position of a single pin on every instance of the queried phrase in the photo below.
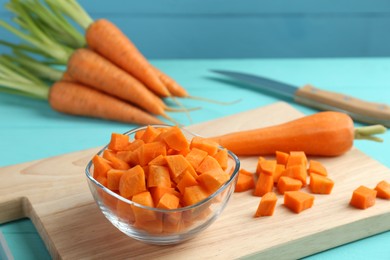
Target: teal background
(336, 45)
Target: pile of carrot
(161, 169)
(106, 75)
(288, 173)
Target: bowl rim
(181, 209)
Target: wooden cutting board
(53, 193)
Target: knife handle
(368, 112)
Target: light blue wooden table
(30, 130)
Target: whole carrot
(87, 67)
(76, 99)
(325, 133)
(108, 40)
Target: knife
(308, 95)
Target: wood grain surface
(53, 193)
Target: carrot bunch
(106, 75)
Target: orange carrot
(281, 157)
(76, 99)
(279, 169)
(268, 167)
(168, 201)
(175, 139)
(296, 172)
(118, 48)
(113, 178)
(195, 157)
(222, 157)
(132, 182)
(383, 190)
(363, 197)
(187, 180)
(320, 184)
(267, 205)
(172, 86)
(264, 184)
(158, 176)
(150, 134)
(206, 145)
(194, 194)
(298, 201)
(115, 161)
(245, 181)
(286, 183)
(324, 133)
(209, 163)
(91, 69)
(213, 179)
(317, 167)
(101, 166)
(118, 142)
(297, 158)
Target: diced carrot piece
(186, 181)
(158, 176)
(100, 166)
(281, 157)
(118, 142)
(149, 151)
(150, 134)
(383, 190)
(222, 157)
(245, 181)
(317, 167)
(158, 192)
(168, 201)
(297, 172)
(115, 161)
(177, 165)
(132, 182)
(212, 180)
(113, 178)
(159, 160)
(145, 199)
(131, 146)
(298, 201)
(267, 205)
(268, 167)
(297, 158)
(175, 139)
(195, 157)
(209, 163)
(138, 135)
(278, 172)
(320, 184)
(102, 180)
(258, 166)
(264, 184)
(286, 183)
(363, 197)
(193, 194)
(206, 145)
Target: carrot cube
(118, 142)
(222, 157)
(100, 166)
(267, 205)
(278, 172)
(245, 181)
(297, 158)
(168, 201)
(286, 183)
(383, 190)
(264, 184)
(281, 157)
(113, 178)
(158, 176)
(132, 182)
(209, 163)
(363, 197)
(175, 139)
(208, 146)
(267, 167)
(186, 181)
(317, 167)
(320, 184)
(194, 194)
(298, 201)
(296, 172)
(212, 180)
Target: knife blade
(308, 95)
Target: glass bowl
(162, 226)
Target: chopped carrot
(168, 201)
(177, 165)
(286, 183)
(141, 214)
(100, 166)
(150, 134)
(115, 161)
(297, 158)
(138, 135)
(158, 176)
(383, 190)
(258, 166)
(118, 142)
(281, 157)
(264, 184)
(320, 184)
(209, 146)
(268, 167)
(212, 180)
(132, 182)
(175, 139)
(245, 181)
(159, 160)
(158, 192)
(209, 163)
(195, 157)
(222, 157)
(267, 205)
(363, 197)
(278, 172)
(150, 151)
(297, 172)
(317, 167)
(187, 180)
(113, 178)
(298, 201)
(193, 195)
